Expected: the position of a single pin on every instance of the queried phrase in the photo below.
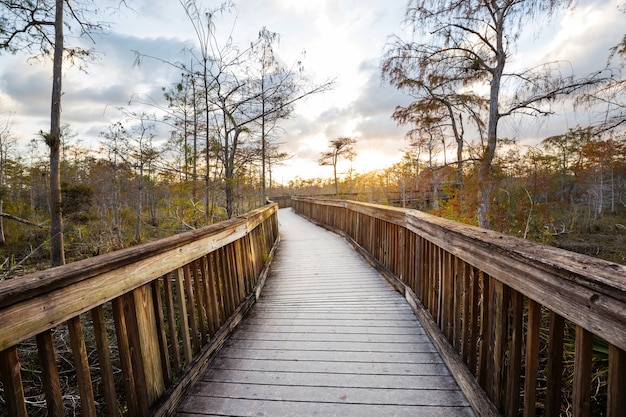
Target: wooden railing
(128, 332)
(526, 329)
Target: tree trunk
(335, 177)
(139, 201)
(484, 171)
(2, 238)
(53, 140)
(263, 150)
(3, 158)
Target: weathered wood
(457, 304)
(466, 314)
(513, 376)
(448, 297)
(226, 289)
(200, 301)
(326, 326)
(51, 383)
(166, 368)
(577, 288)
(149, 342)
(532, 358)
(216, 289)
(499, 340)
(555, 364)
(474, 321)
(617, 383)
(104, 357)
(567, 282)
(81, 365)
(11, 378)
(130, 280)
(190, 298)
(174, 251)
(210, 310)
(184, 316)
(134, 334)
(582, 373)
(126, 361)
(486, 317)
(51, 297)
(198, 366)
(171, 321)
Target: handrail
(498, 307)
(158, 312)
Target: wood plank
(617, 382)
(135, 265)
(362, 336)
(379, 357)
(135, 353)
(184, 318)
(400, 396)
(474, 317)
(582, 373)
(51, 383)
(171, 321)
(126, 362)
(410, 365)
(327, 336)
(81, 366)
(313, 380)
(251, 408)
(198, 288)
(566, 282)
(532, 358)
(190, 298)
(209, 302)
(60, 303)
(555, 364)
(466, 323)
(335, 346)
(11, 378)
(513, 377)
(149, 343)
(104, 357)
(166, 367)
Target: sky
(342, 40)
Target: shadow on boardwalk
(328, 337)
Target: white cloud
(343, 39)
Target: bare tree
(340, 147)
(237, 98)
(39, 27)
(7, 140)
(470, 43)
(437, 103)
(136, 149)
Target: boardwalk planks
(328, 336)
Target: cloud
(342, 40)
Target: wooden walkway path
(328, 337)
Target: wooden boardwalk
(328, 337)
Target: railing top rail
(583, 269)
(18, 289)
(52, 296)
(590, 292)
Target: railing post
(12, 382)
(555, 364)
(81, 365)
(51, 383)
(617, 382)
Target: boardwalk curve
(328, 337)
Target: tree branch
(24, 221)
